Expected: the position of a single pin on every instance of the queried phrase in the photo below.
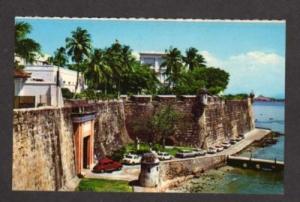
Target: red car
(106, 165)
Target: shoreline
(212, 177)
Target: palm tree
(193, 59)
(120, 60)
(173, 64)
(97, 71)
(60, 57)
(78, 47)
(25, 47)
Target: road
(131, 173)
(128, 173)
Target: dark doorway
(85, 152)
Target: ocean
(245, 181)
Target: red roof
(19, 73)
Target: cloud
(262, 72)
(258, 57)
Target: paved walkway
(250, 137)
(128, 173)
(131, 173)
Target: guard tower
(149, 175)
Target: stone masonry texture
(43, 139)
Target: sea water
(246, 181)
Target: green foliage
(174, 66)
(102, 185)
(119, 154)
(216, 80)
(60, 57)
(164, 121)
(78, 47)
(66, 93)
(240, 96)
(193, 59)
(91, 94)
(25, 47)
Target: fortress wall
(43, 149)
(198, 125)
(43, 142)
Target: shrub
(66, 93)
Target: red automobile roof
(105, 160)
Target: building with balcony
(154, 59)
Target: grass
(101, 185)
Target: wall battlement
(43, 138)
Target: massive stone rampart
(43, 149)
(43, 143)
(198, 125)
(43, 140)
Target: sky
(252, 52)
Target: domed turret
(149, 174)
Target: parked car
(199, 152)
(219, 148)
(239, 138)
(164, 156)
(106, 165)
(233, 141)
(185, 154)
(226, 145)
(212, 150)
(132, 159)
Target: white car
(200, 152)
(226, 145)
(212, 150)
(164, 156)
(132, 159)
(219, 148)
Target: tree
(141, 79)
(78, 47)
(97, 71)
(173, 64)
(164, 123)
(193, 59)
(25, 47)
(59, 58)
(216, 80)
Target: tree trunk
(76, 85)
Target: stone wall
(198, 125)
(110, 129)
(172, 173)
(43, 149)
(43, 143)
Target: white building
(41, 88)
(154, 59)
